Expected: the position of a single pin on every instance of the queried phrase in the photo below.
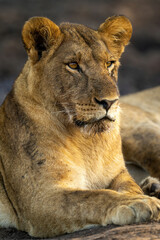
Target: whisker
(63, 111)
(59, 112)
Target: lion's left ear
(38, 35)
(116, 31)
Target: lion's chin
(94, 127)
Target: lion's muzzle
(99, 110)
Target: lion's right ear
(116, 32)
(38, 35)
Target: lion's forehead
(84, 38)
(77, 31)
(82, 34)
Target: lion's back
(147, 100)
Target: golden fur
(140, 129)
(61, 163)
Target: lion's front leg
(65, 211)
(124, 184)
(151, 186)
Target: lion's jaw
(91, 118)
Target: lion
(61, 162)
(140, 130)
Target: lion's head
(75, 69)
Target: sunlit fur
(140, 128)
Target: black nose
(105, 103)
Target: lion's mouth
(81, 123)
(91, 120)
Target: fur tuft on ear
(116, 31)
(38, 35)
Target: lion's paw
(138, 210)
(151, 186)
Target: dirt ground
(132, 232)
(139, 69)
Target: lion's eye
(109, 64)
(73, 65)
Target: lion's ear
(116, 31)
(38, 35)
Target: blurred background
(140, 64)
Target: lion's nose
(105, 103)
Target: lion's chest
(89, 167)
(81, 162)
(101, 170)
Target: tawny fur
(140, 128)
(61, 162)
